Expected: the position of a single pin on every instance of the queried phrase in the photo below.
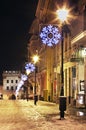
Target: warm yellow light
(35, 58)
(62, 14)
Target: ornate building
(49, 67)
(11, 80)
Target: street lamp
(62, 16)
(35, 60)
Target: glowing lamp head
(35, 58)
(62, 14)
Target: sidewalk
(77, 113)
(24, 115)
(71, 112)
(50, 111)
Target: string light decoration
(50, 35)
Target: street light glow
(35, 58)
(63, 14)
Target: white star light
(50, 35)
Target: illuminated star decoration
(50, 35)
(30, 67)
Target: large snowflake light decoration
(30, 67)
(50, 35)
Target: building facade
(74, 62)
(11, 80)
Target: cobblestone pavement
(23, 115)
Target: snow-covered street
(23, 115)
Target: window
(7, 87)
(11, 87)
(16, 81)
(7, 81)
(11, 81)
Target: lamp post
(35, 60)
(62, 15)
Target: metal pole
(35, 100)
(27, 92)
(35, 82)
(85, 78)
(62, 73)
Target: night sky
(16, 17)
